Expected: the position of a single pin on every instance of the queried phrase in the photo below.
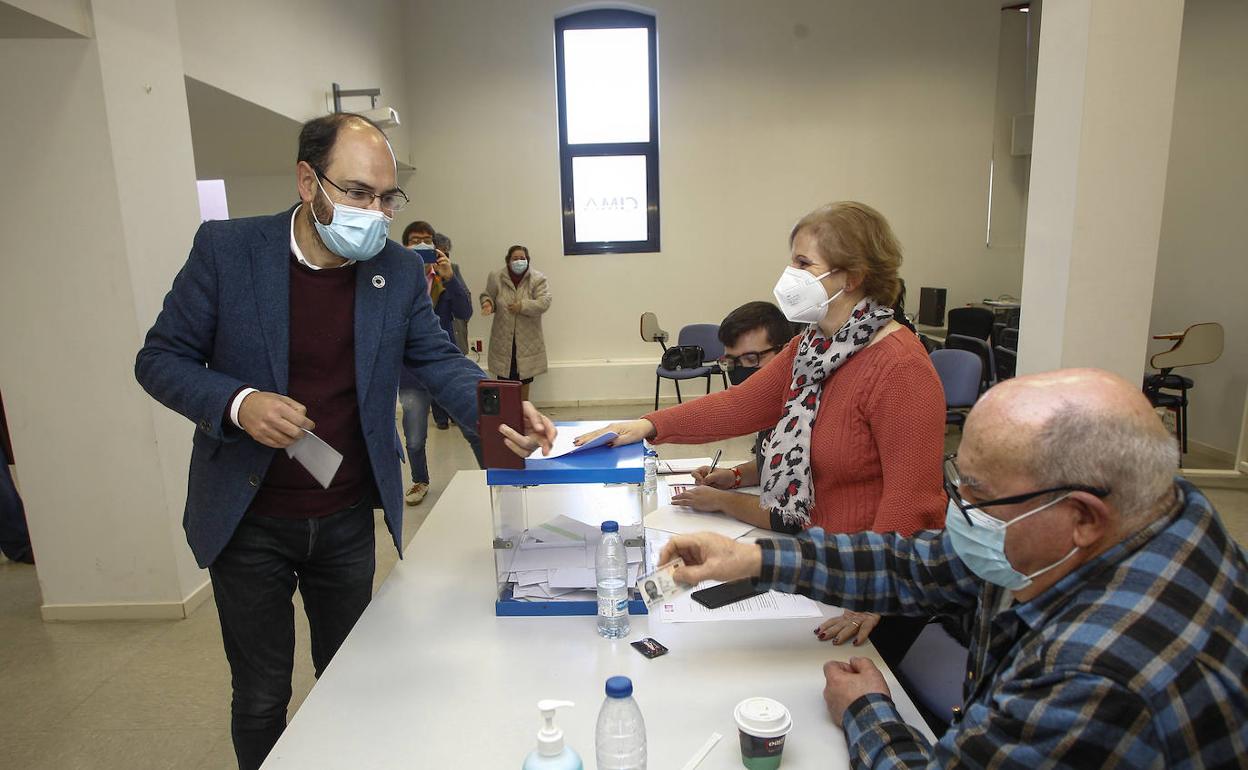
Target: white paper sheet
(320, 459)
(769, 606)
(682, 521)
(563, 441)
(685, 465)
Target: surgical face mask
(519, 266)
(982, 547)
(353, 233)
(739, 374)
(802, 297)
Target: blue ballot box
(546, 524)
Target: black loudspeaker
(931, 306)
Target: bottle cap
(610, 526)
(619, 687)
(550, 737)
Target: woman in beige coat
(516, 296)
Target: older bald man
(1104, 599)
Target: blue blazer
(225, 324)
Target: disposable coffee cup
(762, 724)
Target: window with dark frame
(607, 78)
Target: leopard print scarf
(787, 489)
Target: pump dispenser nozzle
(550, 737)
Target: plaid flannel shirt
(1137, 659)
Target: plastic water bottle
(611, 564)
(620, 740)
(651, 484)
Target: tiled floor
(156, 694)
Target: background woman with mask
(856, 410)
(516, 296)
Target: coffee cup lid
(763, 717)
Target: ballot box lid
(600, 465)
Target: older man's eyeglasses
(749, 360)
(953, 484)
(361, 198)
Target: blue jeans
(14, 537)
(331, 560)
(416, 403)
(440, 416)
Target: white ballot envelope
(319, 458)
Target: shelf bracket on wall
(340, 92)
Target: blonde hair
(856, 238)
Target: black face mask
(739, 374)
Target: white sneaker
(416, 494)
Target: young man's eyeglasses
(749, 360)
(953, 482)
(361, 198)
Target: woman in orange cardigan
(855, 410)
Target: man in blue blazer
(292, 323)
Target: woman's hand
(705, 499)
(720, 478)
(487, 307)
(514, 307)
(628, 432)
(851, 625)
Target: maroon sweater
(322, 378)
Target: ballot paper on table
(320, 459)
(772, 605)
(682, 521)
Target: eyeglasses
(953, 482)
(361, 198)
(750, 360)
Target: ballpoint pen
(715, 462)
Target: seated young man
(752, 335)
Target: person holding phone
(517, 296)
(451, 302)
(854, 406)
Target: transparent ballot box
(547, 521)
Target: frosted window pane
(607, 85)
(610, 197)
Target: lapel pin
(378, 281)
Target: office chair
(971, 322)
(707, 337)
(650, 331)
(959, 372)
(933, 672)
(1199, 344)
(980, 347)
(1006, 361)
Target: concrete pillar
(1104, 102)
(98, 215)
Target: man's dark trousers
(331, 560)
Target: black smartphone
(726, 593)
(498, 403)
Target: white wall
(103, 521)
(767, 110)
(71, 16)
(1201, 274)
(285, 54)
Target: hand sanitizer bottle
(550, 753)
